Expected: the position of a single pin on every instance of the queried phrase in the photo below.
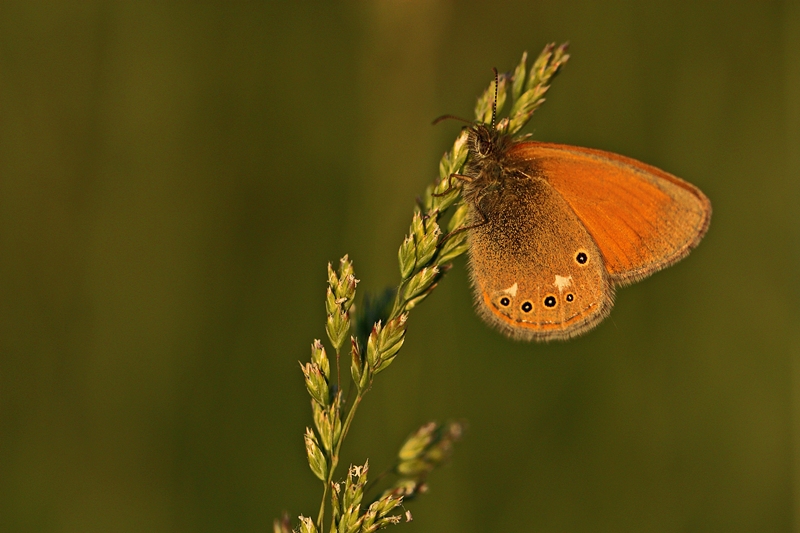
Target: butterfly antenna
(453, 117)
(494, 102)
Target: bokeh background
(174, 178)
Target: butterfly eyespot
(550, 301)
(570, 297)
(526, 307)
(582, 258)
(504, 301)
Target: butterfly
(555, 229)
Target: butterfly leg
(483, 221)
(450, 185)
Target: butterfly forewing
(641, 218)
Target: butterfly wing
(529, 276)
(643, 219)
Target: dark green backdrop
(174, 178)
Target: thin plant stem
(377, 479)
(335, 457)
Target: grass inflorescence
(371, 341)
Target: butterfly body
(554, 228)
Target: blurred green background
(174, 178)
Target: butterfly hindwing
(536, 271)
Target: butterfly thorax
(491, 172)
